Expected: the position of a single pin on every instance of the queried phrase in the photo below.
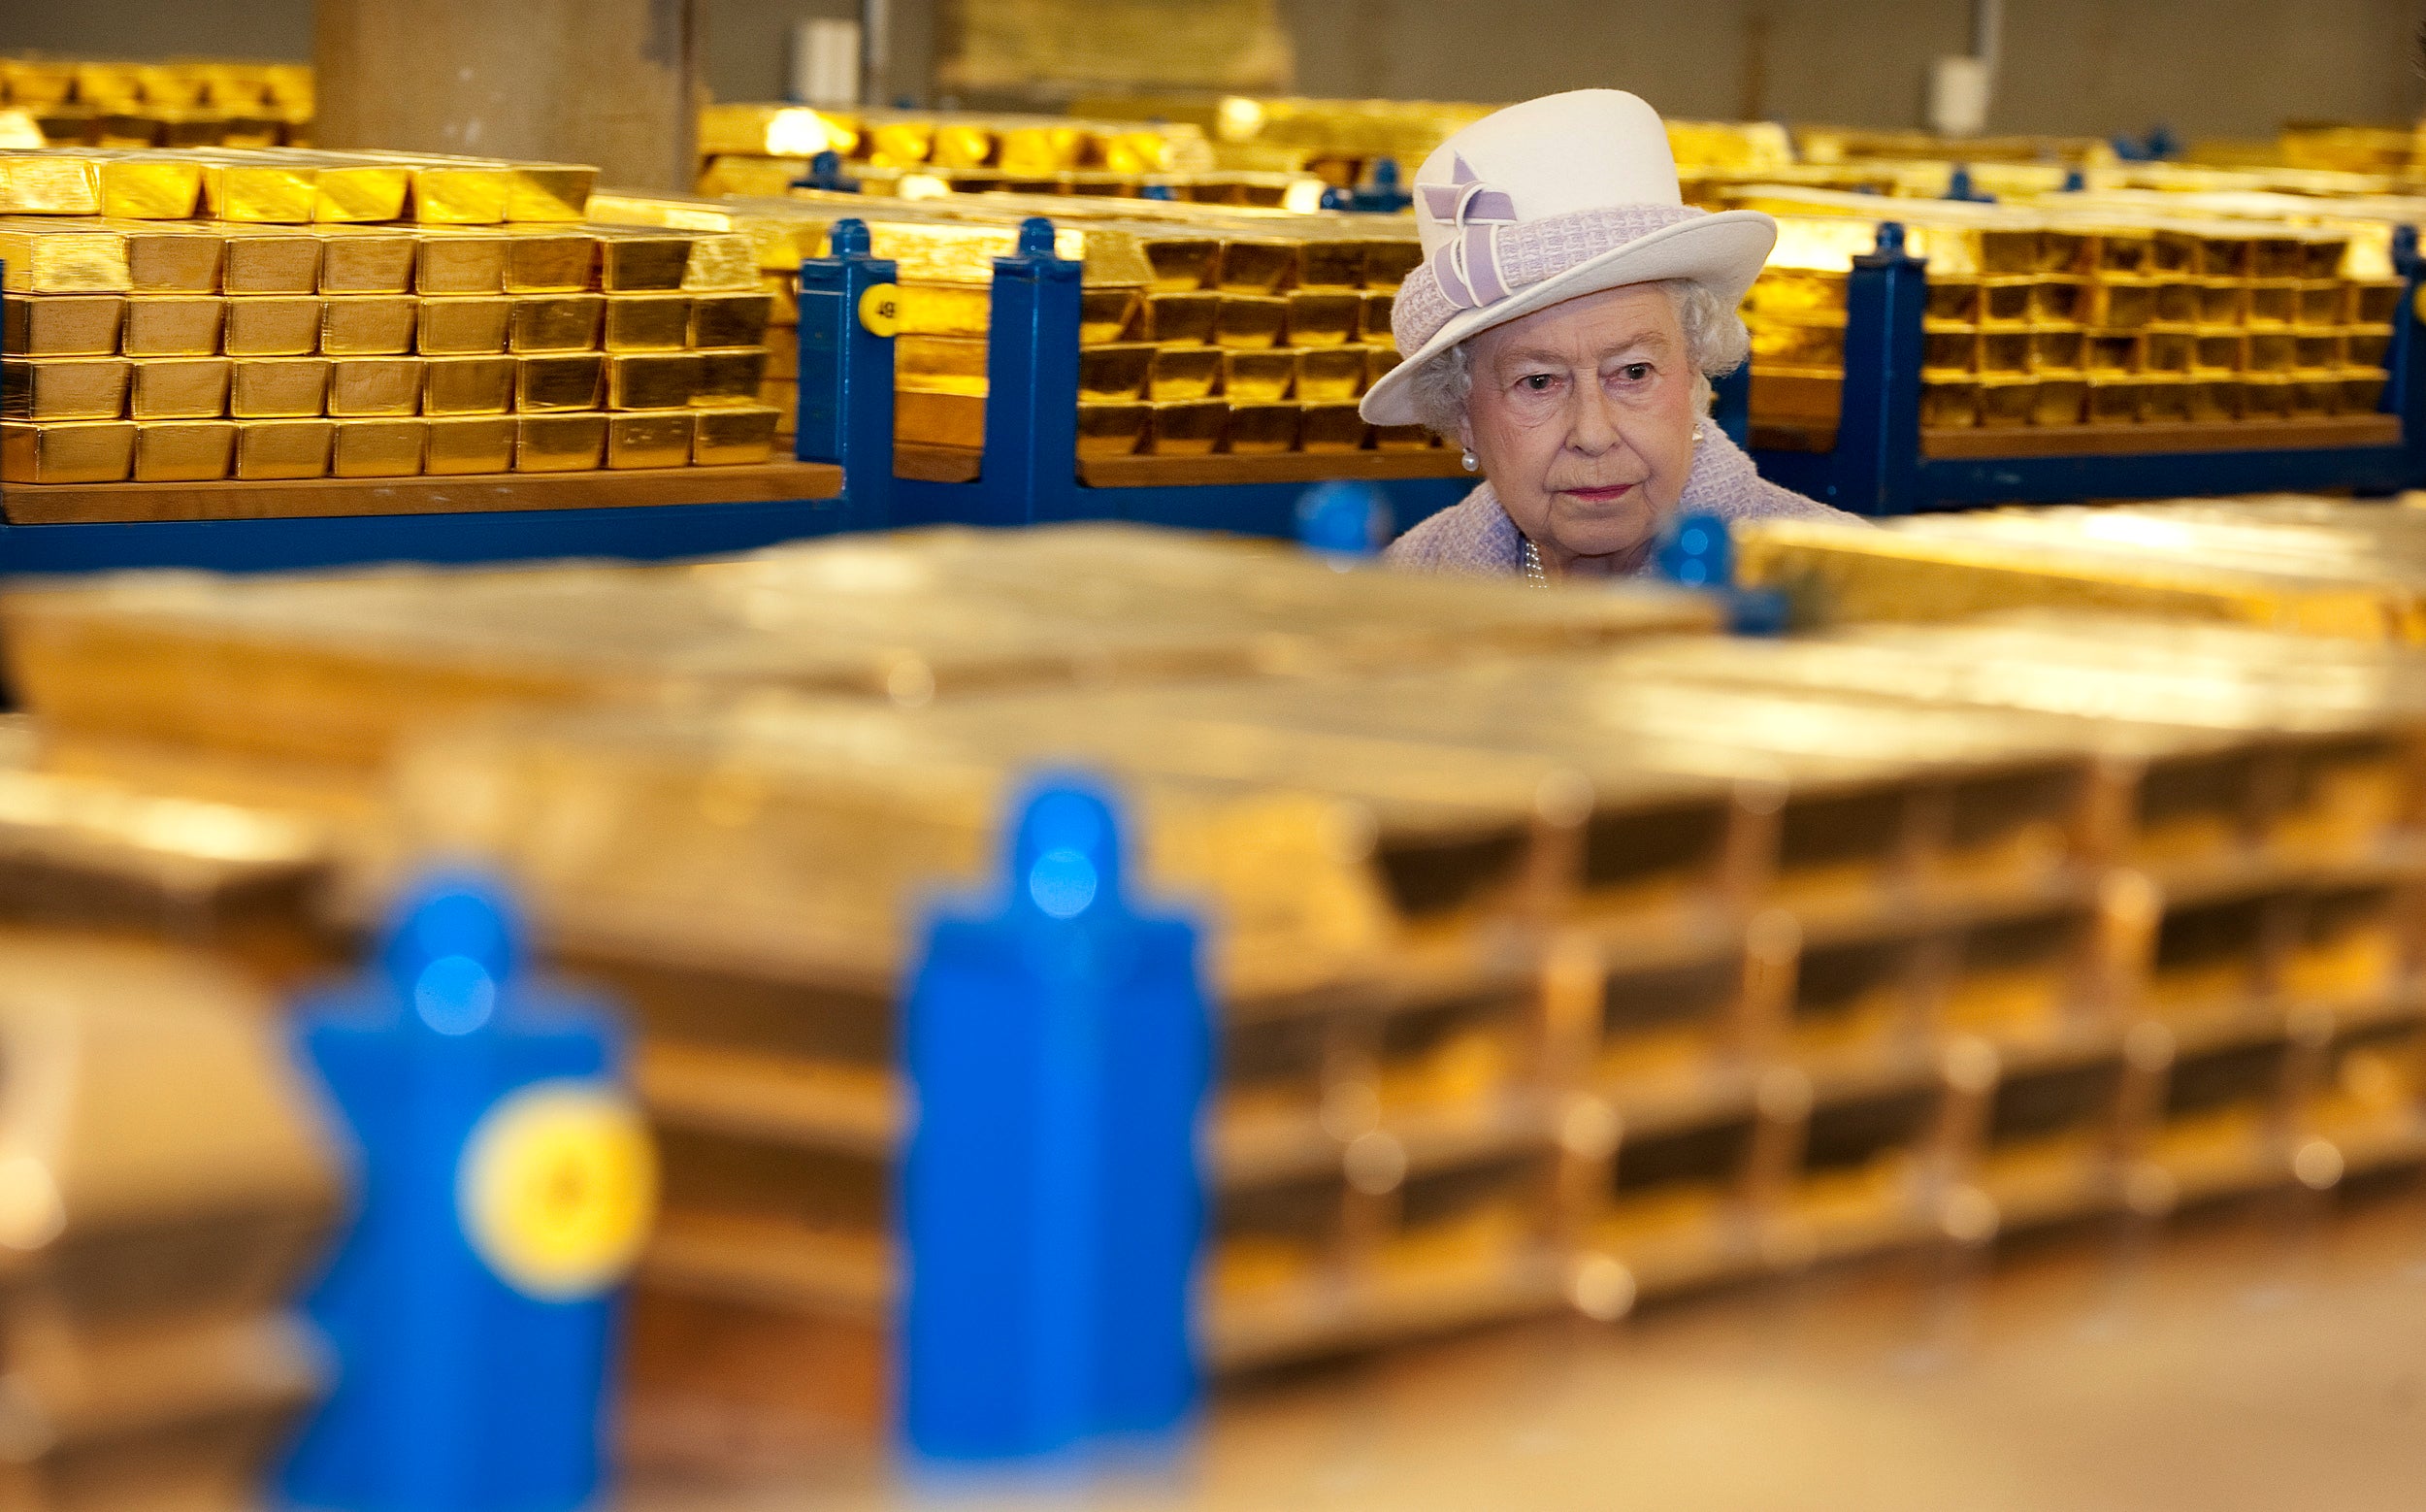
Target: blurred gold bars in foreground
(304, 314)
(1565, 955)
(2288, 562)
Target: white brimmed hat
(1565, 195)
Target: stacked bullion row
(764, 150)
(191, 349)
(179, 103)
(1556, 965)
(2098, 314)
(1203, 331)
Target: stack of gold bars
(1202, 329)
(158, 1232)
(2288, 561)
(213, 313)
(196, 102)
(2105, 313)
(1564, 956)
(764, 150)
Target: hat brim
(1724, 252)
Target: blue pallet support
(638, 533)
(504, 1185)
(1877, 466)
(1052, 1206)
(1029, 471)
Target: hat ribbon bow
(1467, 264)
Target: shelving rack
(1030, 471)
(1882, 461)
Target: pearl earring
(1697, 432)
(1467, 460)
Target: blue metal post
(1732, 403)
(504, 1184)
(1052, 1204)
(1031, 467)
(1344, 519)
(846, 371)
(1878, 428)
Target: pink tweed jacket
(1476, 536)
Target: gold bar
(1257, 377)
(143, 186)
(346, 191)
(1115, 372)
(652, 381)
(368, 325)
(366, 262)
(659, 440)
(1181, 320)
(377, 449)
(263, 262)
(555, 322)
(471, 193)
(1323, 318)
(1186, 427)
(172, 325)
(1186, 371)
(729, 319)
(649, 322)
(361, 386)
(2165, 397)
(271, 326)
(548, 191)
(1111, 428)
(178, 388)
(734, 437)
(945, 417)
(282, 448)
(729, 376)
(1104, 315)
(467, 385)
(1260, 428)
(551, 263)
(1329, 373)
(2058, 400)
(1252, 266)
(50, 183)
(633, 261)
(270, 191)
(718, 262)
(474, 443)
(264, 388)
(2214, 401)
(99, 451)
(184, 451)
(1250, 321)
(460, 262)
(565, 381)
(62, 388)
(463, 327)
(1373, 318)
(47, 261)
(559, 442)
(178, 260)
(1402, 437)
(1336, 264)
(1387, 264)
(2115, 399)
(1949, 401)
(1327, 426)
(61, 325)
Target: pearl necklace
(1535, 572)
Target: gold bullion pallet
(1878, 456)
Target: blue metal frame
(1029, 470)
(1877, 466)
(640, 533)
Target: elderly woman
(1563, 329)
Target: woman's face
(1581, 417)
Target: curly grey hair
(1715, 340)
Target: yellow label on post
(556, 1189)
(880, 309)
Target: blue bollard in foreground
(504, 1184)
(1343, 519)
(1053, 1201)
(1697, 551)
